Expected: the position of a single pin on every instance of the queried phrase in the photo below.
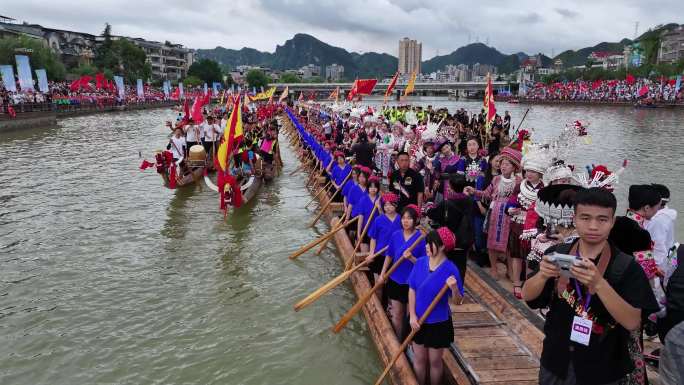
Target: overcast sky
(442, 26)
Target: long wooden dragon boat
(497, 339)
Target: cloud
(528, 18)
(566, 13)
(358, 25)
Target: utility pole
(636, 30)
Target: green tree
(193, 81)
(131, 60)
(104, 54)
(257, 78)
(39, 55)
(207, 70)
(289, 77)
(121, 57)
(229, 80)
(85, 69)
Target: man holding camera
(594, 305)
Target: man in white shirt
(211, 135)
(662, 228)
(177, 145)
(193, 134)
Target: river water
(106, 277)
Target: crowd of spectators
(61, 94)
(629, 90)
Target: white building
(309, 71)
(334, 72)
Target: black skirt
(437, 336)
(376, 266)
(397, 291)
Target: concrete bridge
(421, 88)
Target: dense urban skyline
(442, 26)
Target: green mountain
(232, 58)
(305, 49)
(475, 53)
(572, 58)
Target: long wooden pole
(362, 301)
(517, 128)
(352, 260)
(408, 339)
(325, 243)
(314, 173)
(313, 223)
(324, 188)
(308, 300)
(322, 238)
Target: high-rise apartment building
(410, 56)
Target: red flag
(353, 90)
(176, 93)
(207, 99)
(390, 87)
(301, 95)
(99, 80)
(630, 79)
(186, 110)
(643, 90)
(197, 111)
(145, 164)
(85, 80)
(75, 85)
(365, 86)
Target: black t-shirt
(606, 359)
(363, 152)
(411, 183)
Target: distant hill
(475, 53)
(305, 49)
(232, 58)
(572, 58)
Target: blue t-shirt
(397, 246)
(382, 228)
(364, 206)
(338, 174)
(427, 284)
(355, 194)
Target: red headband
(415, 208)
(390, 197)
(373, 178)
(448, 238)
(338, 154)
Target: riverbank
(598, 103)
(48, 118)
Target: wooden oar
(312, 176)
(325, 243)
(332, 197)
(297, 169)
(367, 295)
(308, 300)
(413, 333)
(351, 261)
(324, 188)
(322, 238)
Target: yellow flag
(231, 134)
(285, 93)
(411, 84)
